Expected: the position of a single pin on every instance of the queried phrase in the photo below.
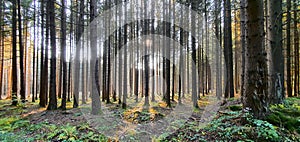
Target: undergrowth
(45, 131)
(232, 124)
(286, 115)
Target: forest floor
(227, 122)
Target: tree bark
(243, 45)
(275, 38)
(14, 54)
(256, 93)
(125, 93)
(288, 50)
(53, 98)
(296, 58)
(63, 54)
(33, 57)
(96, 103)
(21, 48)
(42, 94)
(229, 89)
(194, 76)
(2, 48)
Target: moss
(274, 119)
(286, 114)
(235, 107)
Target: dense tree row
(54, 50)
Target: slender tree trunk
(296, 46)
(116, 44)
(288, 50)
(146, 57)
(70, 49)
(22, 73)
(83, 66)
(136, 71)
(2, 48)
(153, 50)
(104, 72)
(229, 90)
(203, 65)
(108, 60)
(53, 99)
(14, 54)
(33, 57)
(243, 45)
(79, 43)
(125, 93)
(120, 67)
(167, 60)
(236, 52)
(207, 81)
(194, 86)
(46, 60)
(120, 64)
(218, 49)
(63, 54)
(42, 94)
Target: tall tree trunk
(236, 51)
(107, 84)
(42, 94)
(207, 81)
(46, 60)
(53, 99)
(96, 103)
(79, 43)
(181, 72)
(83, 66)
(33, 57)
(125, 93)
(2, 48)
(153, 72)
(288, 50)
(136, 71)
(120, 67)
(194, 85)
(256, 93)
(146, 58)
(116, 44)
(70, 49)
(229, 89)
(296, 47)
(104, 72)
(218, 49)
(167, 58)
(63, 54)
(243, 45)
(14, 54)
(119, 61)
(21, 48)
(275, 38)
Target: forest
(150, 70)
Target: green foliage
(10, 137)
(286, 115)
(235, 125)
(265, 130)
(9, 124)
(235, 107)
(45, 131)
(5, 123)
